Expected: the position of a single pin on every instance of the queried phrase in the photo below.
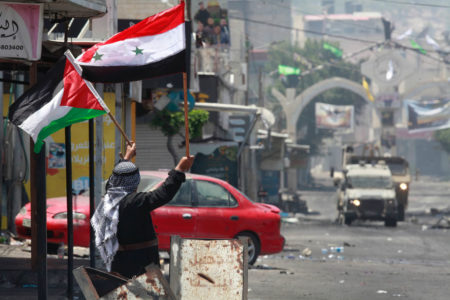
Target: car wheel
(253, 247)
(348, 221)
(52, 248)
(401, 212)
(390, 222)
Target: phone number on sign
(11, 47)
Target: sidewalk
(18, 281)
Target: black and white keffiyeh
(123, 181)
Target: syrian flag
(61, 99)
(153, 47)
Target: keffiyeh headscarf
(124, 180)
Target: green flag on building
(287, 70)
(335, 50)
(418, 47)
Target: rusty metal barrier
(209, 269)
(96, 284)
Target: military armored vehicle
(401, 177)
(367, 193)
(398, 166)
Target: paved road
(411, 261)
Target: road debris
(292, 220)
(442, 223)
(306, 252)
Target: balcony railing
(213, 59)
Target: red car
(204, 207)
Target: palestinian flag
(153, 47)
(61, 99)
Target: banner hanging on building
(428, 115)
(329, 116)
(21, 30)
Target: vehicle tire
(401, 212)
(390, 222)
(253, 247)
(348, 221)
(52, 248)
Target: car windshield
(369, 182)
(243, 194)
(147, 183)
(397, 169)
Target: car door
(175, 218)
(217, 211)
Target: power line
(303, 30)
(329, 35)
(412, 3)
(424, 54)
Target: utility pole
(261, 89)
(1, 154)
(98, 161)
(18, 173)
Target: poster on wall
(217, 160)
(329, 116)
(21, 26)
(56, 156)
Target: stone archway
(293, 105)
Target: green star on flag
(97, 56)
(335, 50)
(138, 51)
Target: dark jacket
(135, 225)
(202, 15)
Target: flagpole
(69, 201)
(186, 108)
(119, 127)
(70, 57)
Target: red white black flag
(153, 47)
(61, 99)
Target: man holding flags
(156, 46)
(124, 233)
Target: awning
(71, 8)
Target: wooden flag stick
(120, 128)
(186, 110)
